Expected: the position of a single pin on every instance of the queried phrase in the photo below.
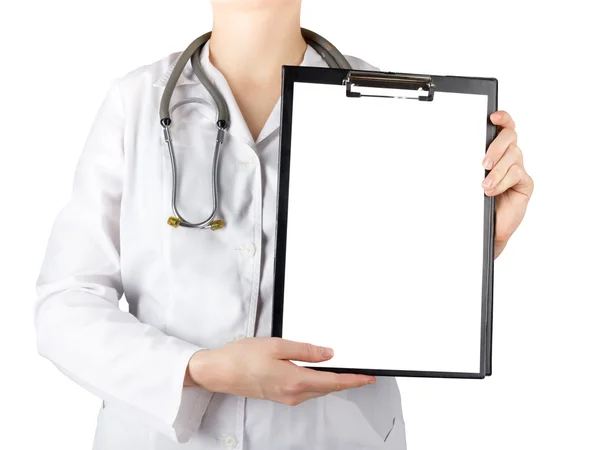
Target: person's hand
(507, 181)
(261, 368)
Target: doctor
(191, 364)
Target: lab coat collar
(238, 125)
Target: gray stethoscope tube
(192, 53)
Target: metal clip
(389, 82)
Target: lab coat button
(247, 250)
(229, 441)
(248, 164)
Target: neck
(256, 41)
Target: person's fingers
(300, 351)
(515, 178)
(498, 147)
(339, 381)
(512, 156)
(502, 119)
(318, 381)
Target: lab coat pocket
(117, 430)
(396, 436)
(346, 427)
(389, 436)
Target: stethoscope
(329, 53)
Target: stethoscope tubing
(332, 57)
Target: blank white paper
(385, 229)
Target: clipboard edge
(444, 83)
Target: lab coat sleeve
(131, 365)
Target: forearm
(115, 354)
(121, 360)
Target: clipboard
(385, 239)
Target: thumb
(301, 351)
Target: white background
(57, 60)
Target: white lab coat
(187, 289)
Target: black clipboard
(397, 87)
